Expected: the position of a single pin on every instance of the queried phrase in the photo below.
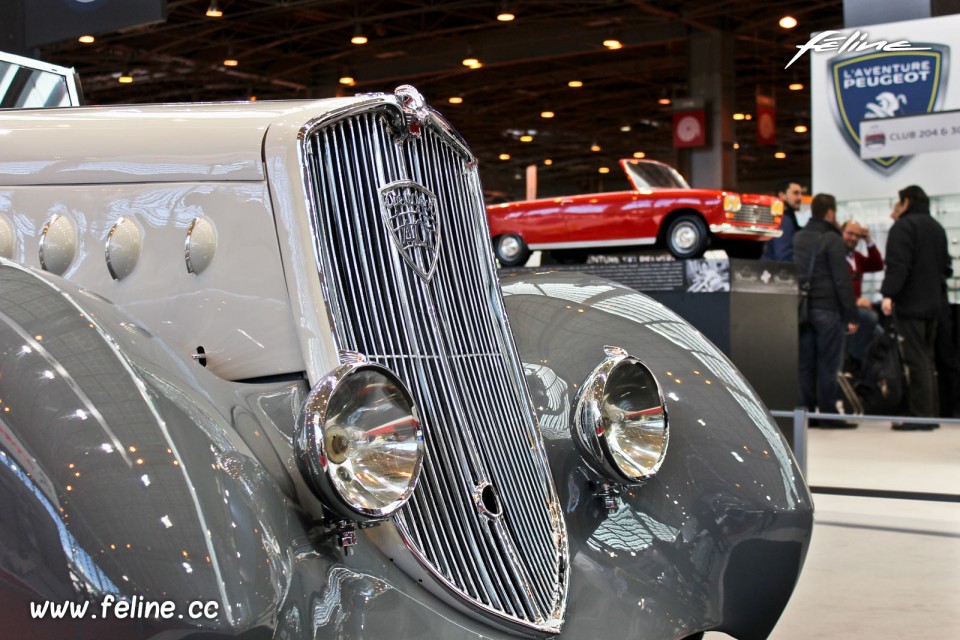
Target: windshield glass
(653, 175)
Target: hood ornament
(414, 107)
(410, 212)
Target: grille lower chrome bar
(485, 520)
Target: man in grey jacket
(833, 307)
(914, 286)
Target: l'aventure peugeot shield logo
(410, 213)
(884, 85)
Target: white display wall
(865, 190)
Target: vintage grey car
(259, 378)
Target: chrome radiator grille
(446, 337)
(754, 214)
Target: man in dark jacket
(833, 308)
(782, 248)
(918, 266)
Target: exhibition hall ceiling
(303, 48)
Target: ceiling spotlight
(736, 145)
(547, 114)
(612, 43)
(788, 22)
(231, 62)
(779, 155)
(125, 78)
(749, 116)
(347, 80)
(526, 138)
(595, 147)
(86, 39)
(358, 37)
(455, 100)
(470, 62)
(548, 162)
(639, 155)
(476, 66)
(506, 15)
(738, 116)
(504, 156)
(604, 170)
(213, 11)
(795, 86)
(575, 84)
(663, 101)
(625, 128)
(800, 128)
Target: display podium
(747, 308)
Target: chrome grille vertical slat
(447, 339)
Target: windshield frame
(671, 178)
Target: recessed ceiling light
(604, 170)
(86, 39)
(253, 98)
(796, 86)
(505, 16)
(548, 162)
(526, 138)
(788, 22)
(455, 100)
(663, 101)
(738, 116)
(625, 128)
(801, 128)
(612, 43)
(595, 147)
(504, 156)
(779, 155)
(749, 116)
(547, 114)
(348, 80)
(575, 84)
(736, 145)
(231, 62)
(639, 154)
(213, 11)
(476, 66)
(359, 39)
(470, 62)
(125, 78)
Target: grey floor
(880, 568)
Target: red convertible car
(661, 209)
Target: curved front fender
(124, 475)
(717, 539)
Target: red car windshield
(653, 175)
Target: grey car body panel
(727, 518)
(218, 517)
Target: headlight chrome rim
(322, 450)
(598, 443)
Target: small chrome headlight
(731, 202)
(359, 441)
(620, 421)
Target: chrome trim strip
(751, 230)
(586, 244)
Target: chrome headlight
(731, 203)
(620, 422)
(359, 442)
